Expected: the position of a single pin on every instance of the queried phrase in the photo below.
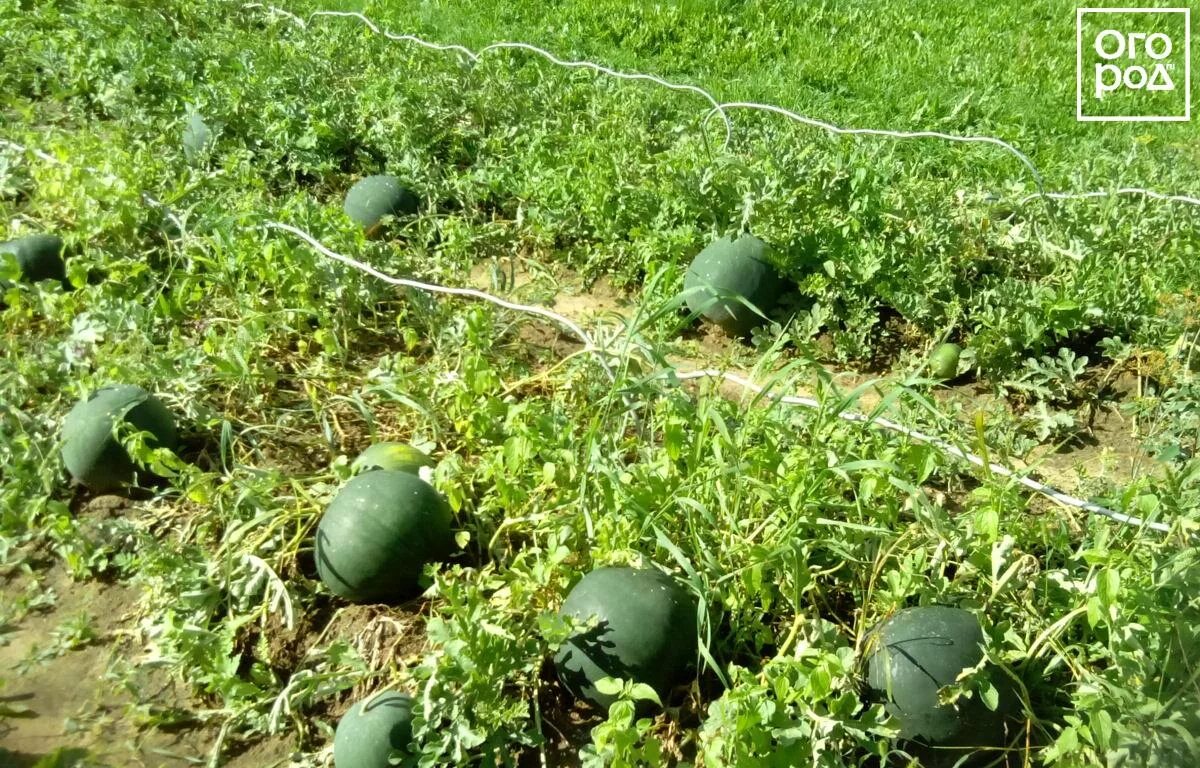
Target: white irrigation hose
(505, 45)
(936, 442)
(806, 402)
(1122, 191)
(838, 130)
(722, 108)
(589, 344)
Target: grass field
(185, 622)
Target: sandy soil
(66, 697)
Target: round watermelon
(645, 632)
(943, 362)
(93, 454)
(727, 272)
(39, 257)
(916, 653)
(378, 533)
(372, 730)
(374, 197)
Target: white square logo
(1133, 64)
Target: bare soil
(66, 698)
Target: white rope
(588, 343)
(936, 442)
(722, 109)
(835, 129)
(806, 402)
(1122, 191)
(273, 11)
(570, 64)
(590, 346)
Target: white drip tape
(554, 317)
(941, 445)
(586, 339)
(722, 109)
(806, 402)
(838, 130)
(506, 45)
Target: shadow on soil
(59, 758)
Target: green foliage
(797, 530)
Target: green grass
(985, 68)
(797, 530)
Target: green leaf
(989, 695)
(1101, 726)
(1108, 586)
(1066, 743)
(63, 757)
(644, 692)
(609, 686)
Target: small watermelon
(391, 455)
(645, 632)
(943, 362)
(372, 730)
(726, 272)
(374, 197)
(93, 454)
(378, 533)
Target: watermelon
(943, 362)
(919, 651)
(390, 455)
(378, 533)
(374, 197)
(90, 450)
(39, 257)
(727, 271)
(372, 730)
(645, 632)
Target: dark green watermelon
(917, 652)
(39, 257)
(372, 730)
(726, 270)
(374, 197)
(646, 632)
(91, 452)
(378, 533)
